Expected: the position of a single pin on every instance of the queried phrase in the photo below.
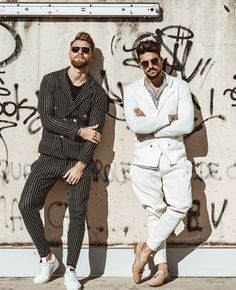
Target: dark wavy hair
(148, 46)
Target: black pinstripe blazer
(61, 117)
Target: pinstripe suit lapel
(84, 93)
(63, 84)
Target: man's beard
(153, 76)
(78, 63)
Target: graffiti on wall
(231, 93)
(173, 63)
(11, 104)
(176, 44)
(14, 221)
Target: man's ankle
(47, 257)
(147, 252)
(70, 268)
(163, 267)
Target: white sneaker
(46, 269)
(70, 280)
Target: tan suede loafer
(159, 278)
(138, 266)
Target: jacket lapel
(147, 101)
(63, 84)
(144, 99)
(167, 92)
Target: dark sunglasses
(145, 63)
(76, 49)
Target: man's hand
(90, 134)
(139, 113)
(173, 117)
(74, 174)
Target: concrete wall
(198, 45)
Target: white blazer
(153, 133)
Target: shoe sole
(167, 279)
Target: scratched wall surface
(198, 46)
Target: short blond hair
(86, 37)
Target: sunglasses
(76, 49)
(145, 63)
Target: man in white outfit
(159, 110)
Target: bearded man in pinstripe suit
(72, 107)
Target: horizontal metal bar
(79, 9)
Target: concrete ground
(122, 284)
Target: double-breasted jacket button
(85, 116)
(61, 136)
(64, 119)
(74, 120)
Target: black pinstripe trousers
(44, 173)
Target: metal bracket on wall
(79, 9)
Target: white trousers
(165, 193)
